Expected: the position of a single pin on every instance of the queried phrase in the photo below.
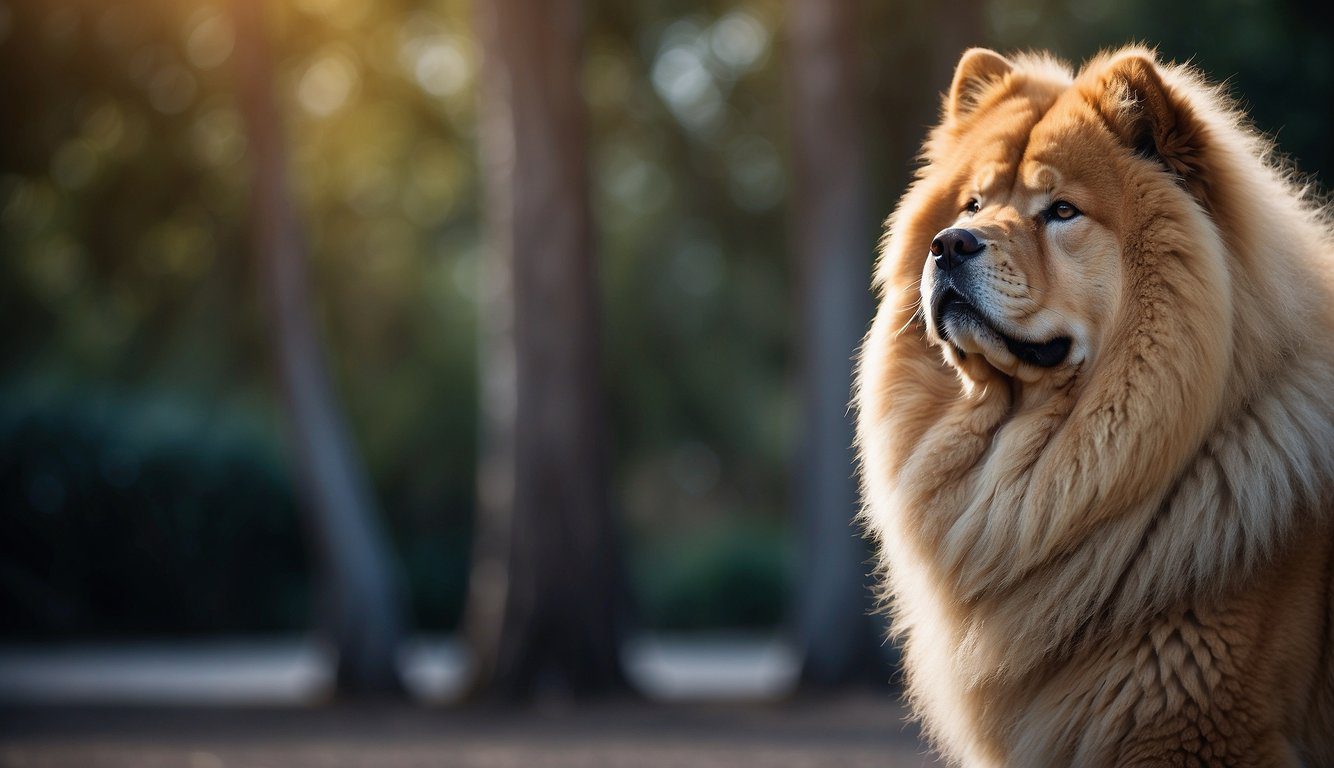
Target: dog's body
(1096, 423)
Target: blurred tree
(547, 582)
(361, 594)
(839, 639)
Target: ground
(261, 703)
(862, 730)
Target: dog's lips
(1042, 354)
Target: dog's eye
(1061, 211)
(973, 206)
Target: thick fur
(1124, 559)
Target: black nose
(954, 246)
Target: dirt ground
(848, 731)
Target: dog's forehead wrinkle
(987, 175)
(1024, 160)
(1005, 174)
(993, 142)
(1041, 176)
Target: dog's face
(1028, 273)
(1030, 182)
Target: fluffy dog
(1096, 424)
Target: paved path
(844, 732)
(294, 670)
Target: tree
(546, 589)
(835, 242)
(362, 604)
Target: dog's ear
(1149, 117)
(978, 70)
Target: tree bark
(546, 597)
(361, 602)
(835, 243)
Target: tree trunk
(958, 26)
(546, 590)
(362, 606)
(835, 242)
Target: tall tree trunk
(835, 242)
(362, 606)
(546, 590)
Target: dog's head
(1038, 189)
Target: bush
(143, 517)
(734, 577)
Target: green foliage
(125, 267)
(129, 517)
(734, 576)
(126, 516)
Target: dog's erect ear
(978, 70)
(1149, 117)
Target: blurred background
(493, 350)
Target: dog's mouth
(953, 306)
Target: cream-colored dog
(1097, 426)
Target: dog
(1096, 425)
